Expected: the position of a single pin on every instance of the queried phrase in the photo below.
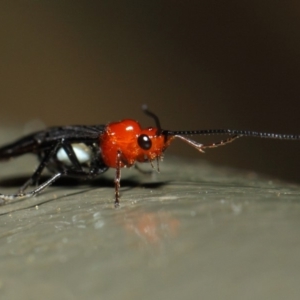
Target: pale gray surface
(201, 233)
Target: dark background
(197, 64)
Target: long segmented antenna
(231, 132)
(239, 133)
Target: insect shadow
(127, 183)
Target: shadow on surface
(72, 182)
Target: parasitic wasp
(87, 151)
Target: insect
(88, 151)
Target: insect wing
(41, 140)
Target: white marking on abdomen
(82, 152)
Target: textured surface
(193, 230)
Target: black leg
(74, 173)
(19, 196)
(71, 154)
(37, 174)
(48, 155)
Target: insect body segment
(81, 151)
(133, 143)
(86, 152)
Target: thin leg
(117, 180)
(37, 190)
(157, 163)
(71, 154)
(48, 155)
(221, 143)
(19, 196)
(200, 147)
(37, 174)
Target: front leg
(117, 179)
(200, 147)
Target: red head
(133, 143)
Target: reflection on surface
(151, 228)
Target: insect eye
(144, 142)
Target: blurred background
(197, 64)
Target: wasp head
(132, 143)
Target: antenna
(154, 116)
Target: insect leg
(117, 179)
(48, 155)
(19, 196)
(221, 143)
(37, 173)
(71, 154)
(200, 147)
(75, 173)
